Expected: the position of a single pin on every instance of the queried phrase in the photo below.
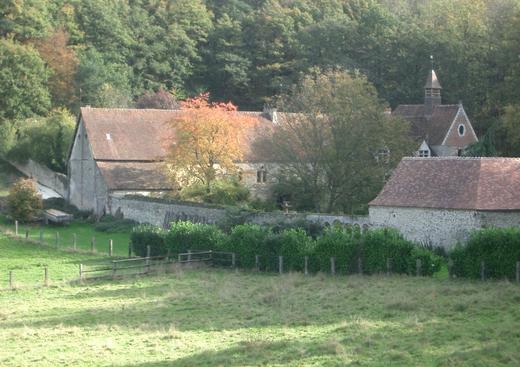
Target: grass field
(221, 318)
(84, 233)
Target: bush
(112, 224)
(336, 242)
(146, 235)
(295, 244)
(24, 202)
(184, 236)
(248, 240)
(499, 248)
(222, 192)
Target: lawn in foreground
(209, 317)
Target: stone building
(121, 151)
(440, 129)
(439, 200)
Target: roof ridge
(128, 109)
(462, 158)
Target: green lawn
(84, 233)
(221, 318)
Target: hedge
(346, 245)
(499, 248)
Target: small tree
(161, 100)
(210, 138)
(24, 202)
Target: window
(424, 153)
(261, 175)
(461, 130)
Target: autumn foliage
(24, 201)
(209, 139)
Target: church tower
(432, 93)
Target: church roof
(432, 129)
(454, 183)
(432, 82)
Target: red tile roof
(433, 129)
(454, 183)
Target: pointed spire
(432, 82)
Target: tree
(338, 146)
(23, 82)
(209, 141)
(161, 100)
(24, 202)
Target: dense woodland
(57, 55)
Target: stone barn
(121, 151)
(439, 201)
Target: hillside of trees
(57, 55)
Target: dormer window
(424, 153)
(462, 130)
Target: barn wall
(437, 227)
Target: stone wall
(45, 176)
(161, 214)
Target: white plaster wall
(437, 227)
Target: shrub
(112, 224)
(184, 236)
(249, 240)
(295, 244)
(499, 248)
(146, 235)
(24, 202)
(336, 242)
(222, 192)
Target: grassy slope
(219, 318)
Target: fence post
(16, 228)
(110, 247)
(148, 252)
(388, 266)
(26, 234)
(306, 265)
(233, 260)
(450, 268)
(280, 264)
(257, 263)
(418, 267)
(57, 239)
(80, 272)
(74, 242)
(93, 244)
(41, 237)
(10, 279)
(189, 255)
(518, 271)
(168, 255)
(360, 265)
(333, 265)
(482, 270)
(46, 276)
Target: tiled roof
(432, 129)
(118, 134)
(454, 183)
(134, 175)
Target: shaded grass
(84, 233)
(219, 318)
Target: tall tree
(338, 145)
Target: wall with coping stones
(161, 214)
(45, 176)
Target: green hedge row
(374, 247)
(499, 248)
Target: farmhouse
(440, 129)
(121, 151)
(438, 201)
